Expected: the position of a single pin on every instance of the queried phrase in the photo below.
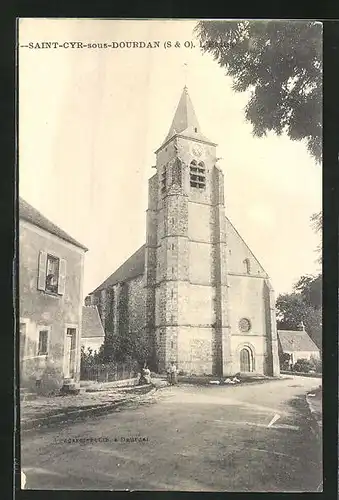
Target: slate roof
(91, 323)
(293, 341)
(30, 214)
(131, 268)
(185, 122)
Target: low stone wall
(302, 374)
(207, 379)
(100, 386)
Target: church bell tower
(186, 251)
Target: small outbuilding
(298, 344)
(93, 333)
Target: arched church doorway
(246, 360)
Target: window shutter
(62, 277)
(42, 271)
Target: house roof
(185, 122)
(30, 214)
(292, 341)
(131, 268)
(91, 323)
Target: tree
(89, 359)
(310, 288)
(317, 222)
(302, 305)
(108, 349)
(280, 63)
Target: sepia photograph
(169, 331)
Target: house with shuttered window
(51, 266)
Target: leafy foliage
(302, 365)
(89, 358)
(310, 288)
(123, 346)
(284, 358)
(306, 365)
(317, 222)
(304, 304)
(316, 364)
(280, 63)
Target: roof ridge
(132, 267)
(30, 214)
(247, 246)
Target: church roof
(91, 323)
(185, 122)
(30, 214)
(131, 268)
(293, 341)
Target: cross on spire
(185, 74)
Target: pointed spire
(184, 117)
(185, 121)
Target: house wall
(40, 309)
(304, 355)
(93, 343)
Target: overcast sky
(91, 119)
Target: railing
(108, 372)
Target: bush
(302, 365)
(89, 358)
(284, 359)
(316, 364)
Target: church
(194, 289)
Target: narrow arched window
(177, 173)
(247, 265)
(163, 179)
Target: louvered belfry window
(197, 175)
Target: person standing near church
(173, 374)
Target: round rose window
(244, 325)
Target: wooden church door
(245, 360)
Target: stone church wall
(195, 350)
(137, 304)
(238, 252)
(201, 264)
(200, 222)
(195, 306)
(196, 316)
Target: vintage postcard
(169, 329)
